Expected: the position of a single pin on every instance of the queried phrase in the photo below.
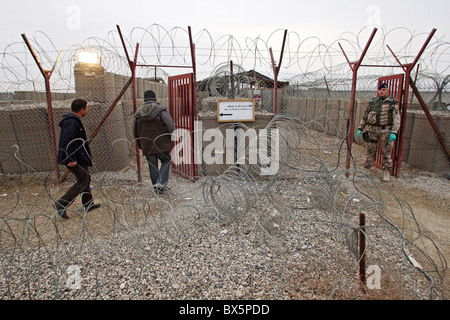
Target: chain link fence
(261, 234)
(24, 117)
(226, 68)
(421, 149)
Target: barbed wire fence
(238, 235)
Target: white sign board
(235, 110)
(257, 95)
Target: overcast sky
(70, 22)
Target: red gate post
(51, 122)
(276, 71)
(407, 68)
(191, 103)
(133, 65)
(194, 101)
(194, 68)
(354, 66)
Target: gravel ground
(293, 236)
(290, 244)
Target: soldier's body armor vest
(382, 110)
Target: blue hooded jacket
(73, 144)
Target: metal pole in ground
(362, 249)
(51, 123)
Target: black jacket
(73, 144)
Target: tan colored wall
(209, 122)
(29, 96)
(28, 129)
(26, 123)
(421, 146)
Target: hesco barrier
(421, 147)
(25, 128)
(25, 134)
(25, 125)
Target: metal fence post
(354, 66)
(51, 122)
(133, 65)
(276, 71)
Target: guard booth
(396, 90)
(182, 108)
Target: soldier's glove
(359, 134)
(392, 137)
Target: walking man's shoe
(160, 189)
(92, 207)
(61, 212)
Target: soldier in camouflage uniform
(380, 122)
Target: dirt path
(432, 213)
(428, 195)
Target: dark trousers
(81, 186)
(159, 175)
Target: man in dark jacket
(152, 128)
(75, 154)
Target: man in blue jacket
(75, 154)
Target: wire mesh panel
(183, 111)
(233, 234)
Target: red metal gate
(395, 84)
(182, 93)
